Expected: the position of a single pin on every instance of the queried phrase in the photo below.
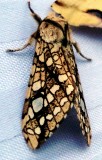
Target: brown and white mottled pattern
(54, 86)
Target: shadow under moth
(54, 85)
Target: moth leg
(75, 44)
(29, 42)
(34, 15)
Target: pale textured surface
(16, 25)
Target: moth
(54, 85)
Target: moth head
(51, 29)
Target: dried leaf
(80, 12)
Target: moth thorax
(50, 33)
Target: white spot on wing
(42, 69)
(83, 107)
(45, 103)
(42, 84)
(33, 69)
(49, 116)
(63, 101)
(58, 66)
(54, 88)
(72, 105)
(42, 120)
(37, 130)
(56, 57)
(68, 73)
(50, 97)
(37, 104)
(41, 57)
(30, 131)
(57, 125)
(25, 120)
(30, 113)
(86, 129)
(65, 116)
(69, 89)
(74, 78)
(57, 110)
(51, 133)
(37, 69)
(37, 85)
(62, 77)
(49, 61)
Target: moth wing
(29, 121)
(52, 89)
(81, 110)
(62, 63)
(48, 99)
(78, 102)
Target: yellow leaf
(80, 12)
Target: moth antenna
(34, 15)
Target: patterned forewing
(34, 102)
(50, 94)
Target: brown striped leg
(29, 42)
